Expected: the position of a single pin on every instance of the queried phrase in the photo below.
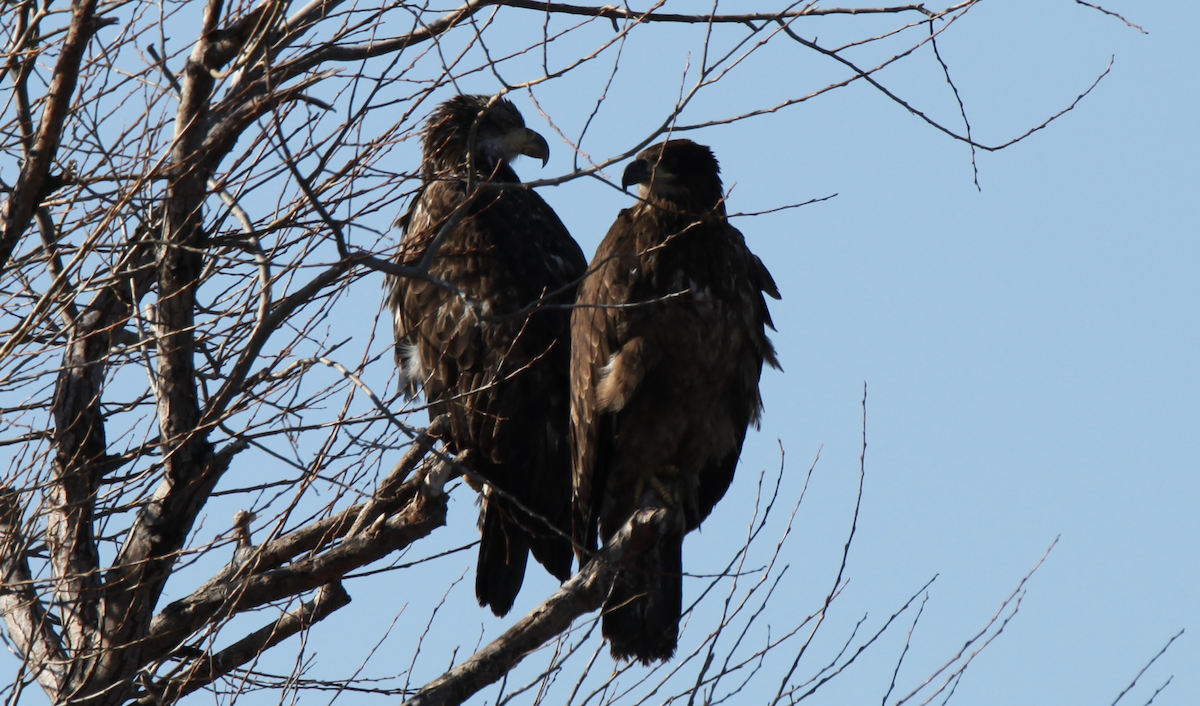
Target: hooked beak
(531, 144)
(638, 172)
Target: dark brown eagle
(668, 342)
(500, 368)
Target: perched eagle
(497, 361)
(668, 342)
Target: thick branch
(388, 496)
(131, 589)
(29, 191)
(330, 598)
(190, 467)
(81, 448)
(392, 495)
(181, 618)
(24, 614)
(584, 593)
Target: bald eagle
(668, 342)
(498, 364)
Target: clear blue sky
(1031, 352)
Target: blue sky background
(1030, 349)
(1030, 352)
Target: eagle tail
(641, 614)
(553, 551)
(503, 551)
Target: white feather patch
(412, 369)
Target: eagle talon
(656, 483)
(663, 491)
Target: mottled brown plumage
(501, 373)
(668, 342)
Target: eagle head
(680, 172)
(500, 136)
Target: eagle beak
(638, 172)
(531, 144)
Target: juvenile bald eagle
(665, 384)
(501, 369)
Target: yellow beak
(530, 144)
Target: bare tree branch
(1112, 14)
(28, 193)
(23, 610)
(207, 669)
(583, 593)
(1143, 671)
(422, 515)
(615, 12)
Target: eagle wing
(595, 336)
